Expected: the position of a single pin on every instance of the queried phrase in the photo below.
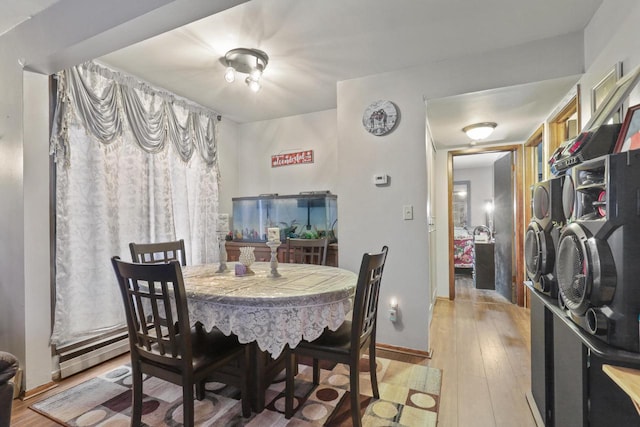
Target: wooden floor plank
(445, 358)
(498, 344)
(491, 358)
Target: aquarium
(305, 215)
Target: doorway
(517, 272)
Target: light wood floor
(482, 344)
(480, 341)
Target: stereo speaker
(543, 234)
(598, 257)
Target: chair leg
(136, 376)
(354, 389)
(373, 371)
(316, 372)
(187, 405)
(200, 389)
(289, 384)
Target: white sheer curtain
(132, 164)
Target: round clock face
(380, 117)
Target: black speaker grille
(568, 197)
(572, 269)
(532, 252)
(541, 202)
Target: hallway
(482, 344)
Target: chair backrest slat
(307, 251)
(150, 253)
(365, 309)
(154, 296)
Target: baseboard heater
(80, 356)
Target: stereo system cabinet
(568, 385)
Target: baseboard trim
(533, 407)
(404, 350)
(17, 383)
(28, 394)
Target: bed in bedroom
(463, 253)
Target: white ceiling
(313, 45)
(482, 160)
(14, 12)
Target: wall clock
(380, 117)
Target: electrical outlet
(393, 314)
(407, 212)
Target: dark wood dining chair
(307, 251)
(150, 253)
(184, 356)
(348, 343)
(158, 252)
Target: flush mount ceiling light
(479, 131)
(246, 61)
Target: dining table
(267, 312)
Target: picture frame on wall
(629, 137)
(461, 203)
(601, 89)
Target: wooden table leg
(258, 359)
(263, 371)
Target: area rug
(409, 396)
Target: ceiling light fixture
(479, 131)
(246, 61)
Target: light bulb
(479, 131)
(253, 84)
(256, 73)
(230, 75)
(488, 207)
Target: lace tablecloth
(270, 311)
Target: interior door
(503, 223)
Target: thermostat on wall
(381, 179)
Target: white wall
(371, 216)
(610, 37)
(12, 210)
(481, 189)
(37, 311)
(258, 141)
(228, 163)
(607, 35)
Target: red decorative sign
(289, 159)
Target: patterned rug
(409, 396)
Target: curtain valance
(106, 108)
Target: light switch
(407, 212)
(381, 179)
